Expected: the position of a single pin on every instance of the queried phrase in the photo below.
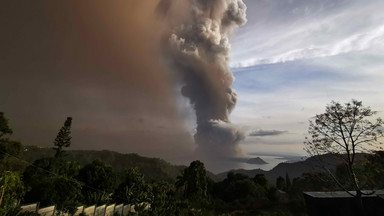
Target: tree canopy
(7, 146)
(51, 182)
(134, 189)
(100, 181)
(344, 130)
(194, 180)
(4, 127)
(11, 191)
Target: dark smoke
(198, 49)
(94, 60)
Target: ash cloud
(261, 133)
(97, 61)
(198, 50)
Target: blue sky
(295, 56)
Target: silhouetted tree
(287, 182)
(239, 190)
(374, 167)
(193, 180)
(99, 182)
(4, 127)
(134, 189)
(8, 147)
(343, 131)
(51, 182)
(316, 181)
(63, 138)
(261, 180)
(280, 183)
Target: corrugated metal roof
(342, 194)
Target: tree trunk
(2, 194)
(359, 204)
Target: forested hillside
(152, 168)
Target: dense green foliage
(193, 180)
(11, 191)
(52, 181)
(99, 182)
(134, 189)
(12, 188)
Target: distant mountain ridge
(295, 169)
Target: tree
(134, 189)
(164, 201)
(8, 147)
(11, 191)
(194, 180)
(4, 127)
(280, 183)
(261, 180)
(374, 166)
(344, 131)
(240, 192)
(99, 180)
(51, 182)
(287, 182)
(63, 138)
(314, 181)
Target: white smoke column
(199, 50)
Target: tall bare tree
(344, 131)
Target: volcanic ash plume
(198, 49)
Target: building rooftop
(342, 194)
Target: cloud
(198, 51)
(282, 90)
(303, 54)
(357, 42)
(286, 155)
(292, 30)
(98, 63)
(262, 133)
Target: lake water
(272, 160)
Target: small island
(256, 160)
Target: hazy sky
(295, 56)
(100, 64)
(97, 62)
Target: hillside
(155, 168)
(295, 169)
(152, 168)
